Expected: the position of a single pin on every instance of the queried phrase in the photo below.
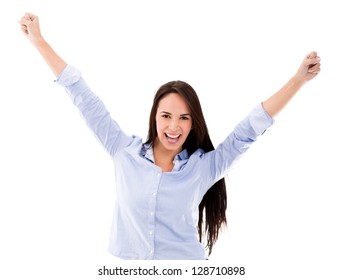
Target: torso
(166, 167)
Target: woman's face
(173, 122)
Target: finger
(315, 72)
(314, 69)
(313, 63)
(25, 21)
(310, 62)
(30, 16)
(27, 18)
(312, 55)
(22, 21)
(24, 29)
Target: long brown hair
(214, 202)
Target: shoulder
(135, 147)
(198, 153)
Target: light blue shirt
(156, 214)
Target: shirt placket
(152, 213)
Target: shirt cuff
(69, 76)
(260, 120)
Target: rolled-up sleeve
(69, 76)
(219, 161)
(93, 111)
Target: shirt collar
(147, 152)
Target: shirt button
(154, 194)
(151, 232)
(151, 252)
(151, 213)
(158, 174)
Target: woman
(165, 184)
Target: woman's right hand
(30, 27)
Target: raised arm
(308, 69)
(30, 26)
(90, 106)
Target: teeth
(173, 136)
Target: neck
(164, 158)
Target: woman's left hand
(309, 68)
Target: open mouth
(172, 138)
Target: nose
(173, 124)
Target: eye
(166, 116)
(184, 118)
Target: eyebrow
(167, 113)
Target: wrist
(38, 42)
(298, 81)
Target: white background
(57, 183)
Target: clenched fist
(30, 27)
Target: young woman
(164, 186)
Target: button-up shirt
(156, 213)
